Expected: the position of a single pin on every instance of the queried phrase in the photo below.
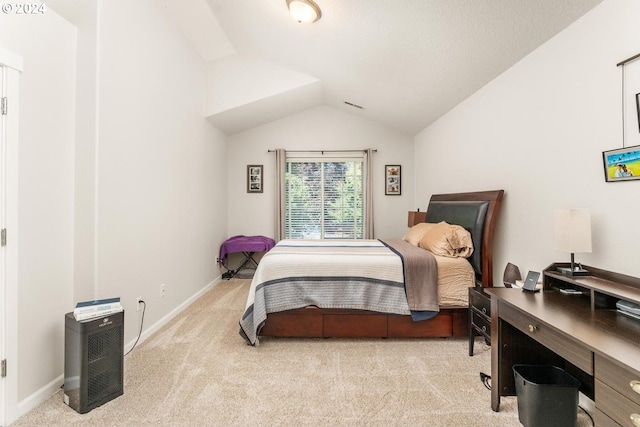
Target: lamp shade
(304, 11)
(573, 230)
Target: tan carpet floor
(198, 371)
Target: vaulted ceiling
(405, 62)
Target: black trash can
(547, 396)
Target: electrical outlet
(163, 290)
(218, 259)
(138, 303)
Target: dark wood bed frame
(478, 212)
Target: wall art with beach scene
(622, 164)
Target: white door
(2, 247)
(10, 69)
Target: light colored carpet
(198, 371)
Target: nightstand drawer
(481, 323)
(618, 408)
(560, 344)
(481, 301)
(622, 379)
(479, 316)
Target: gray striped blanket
(351, 274)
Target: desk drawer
(622, 410)
(623, 379)
(602, 420)
(560, 344)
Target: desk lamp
(573, 234)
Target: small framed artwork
(622, 164)
(392, 183)
(254, 178)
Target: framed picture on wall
(622, 164)
(254, 178)
(392, 183)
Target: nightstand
(479, 316)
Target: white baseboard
(147, 332)
(45, 392)
(38, 397)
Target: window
(324, 199)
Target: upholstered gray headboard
(477, 213)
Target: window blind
(324, 199)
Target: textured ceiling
(407, 62)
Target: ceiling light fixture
(304, 11)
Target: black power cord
(588, 415)
(144, 308)
(486, 380)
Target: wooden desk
(600, 347)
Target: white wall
(538, 132)
(84, 15)
(150, 183)
(45, 193)
(161, 167)
(316, 129)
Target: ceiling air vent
(354, 105)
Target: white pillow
(416, 232)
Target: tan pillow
(416, 232)
(448, 240)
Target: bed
(286, 301)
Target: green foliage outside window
(324, 200)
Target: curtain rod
(320, 151)
(633, 58)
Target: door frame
(12, 67)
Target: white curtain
(368, 194)
(280, 195)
